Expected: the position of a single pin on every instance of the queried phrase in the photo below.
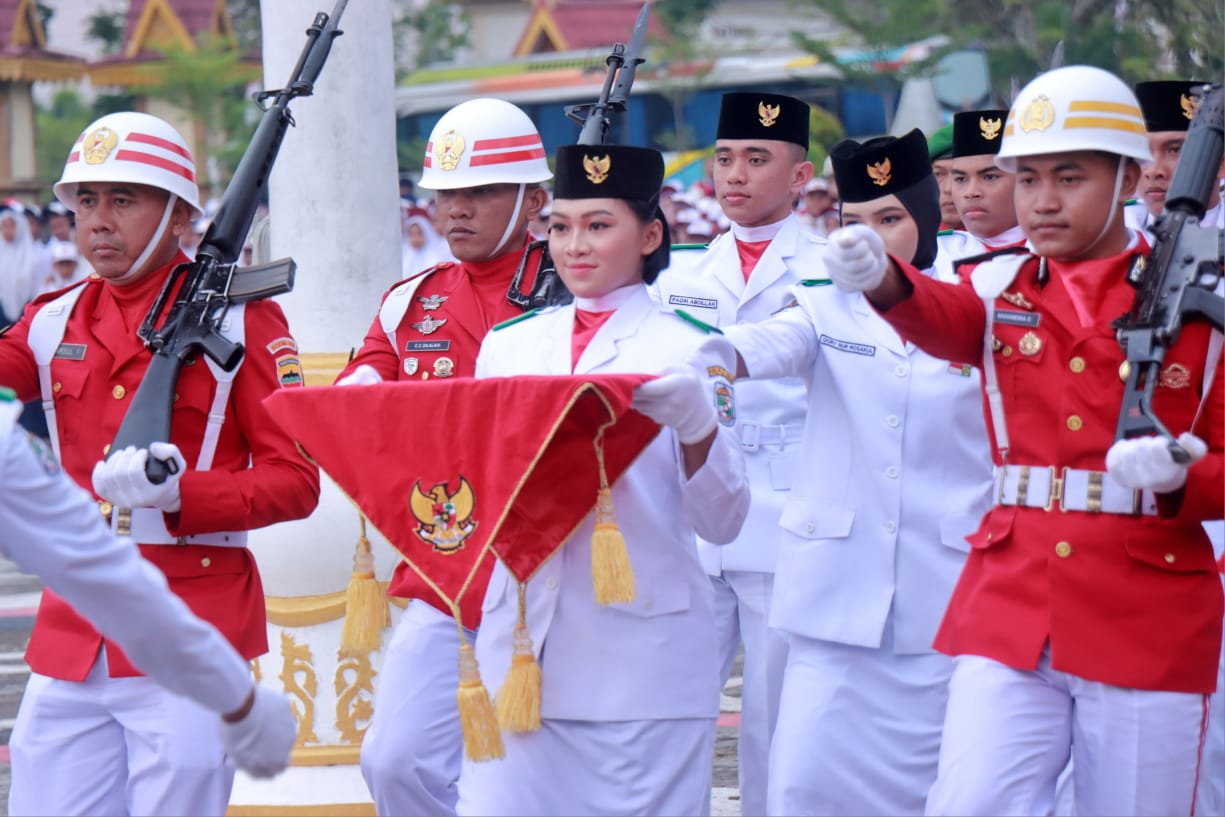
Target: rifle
(1179, 279)
(595, 117)
(213, 282)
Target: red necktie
(750, 253)
(586, 324)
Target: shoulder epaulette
(430, 270)
(816, 282)
(987, 256)
(55, 293)
(705, 327)
(690, 246)
(1130, 202)
(949, 231)
(531, 313)
(7, 395)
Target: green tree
(245, 16)
(680, 45)
(58, 126)
(438, 28)
(106, 26)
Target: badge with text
(848, 346)
(427, 346)
(289, 371)
(70, 351)
(1008, 316)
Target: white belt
(147, 526)
(1037, 486)
(753, 436)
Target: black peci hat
(977, 133)
(607, 172)
(764, 116)
(879, 167)
(1167, 104)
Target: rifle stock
(1179, 279)
(204, 289)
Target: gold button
(118, 392)
(1075, 423)
(58, 387)
(425, 375)
(988, 537)
(1124, 369)
(1007, 351)
(205, 562)
(1077, 364)
(105, 507)
(1063, 550)
(106, 449)
(1169, 558)
(176, 397)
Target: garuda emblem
(881, 172)
(989, 128)
(1189, 105)
(1038, 115)
(446, 519)
(597, 168)
(98, 145)
(768, 114)
(448, 150)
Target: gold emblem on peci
(98, 145)
(597, 168)
(768, 114)
(881, 172)
(448, 150)
(1039, 114)
(1190, 105)
(989, 128)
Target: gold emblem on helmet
(448, 150)
(881, 173)
(1190, 105)
(597, 168)
(768, 114)
(98, 145)
(1039, 114)
(989, 128)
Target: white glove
(855, 258)
(121, 480)
(1145, 463)
(713, 354)
(260, 743)
(363, 375)
(680, 399)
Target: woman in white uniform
(629, 692)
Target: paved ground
(19, 597)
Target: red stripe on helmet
(156, 161)
(505, 158)
(74, 156)
(530, 140)
(157, 141)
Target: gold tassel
(611, 572)
(366, 609)
(518, 701)
(482, 740)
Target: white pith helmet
(130, 147)
(1074, 108)
(484, 141)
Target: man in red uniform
(92, 735)
(1087, 620)
(486, 161)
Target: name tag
(428, 346)
(688, 300)
(1012, 318)
(70, 351)
(848, 346)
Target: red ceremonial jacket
(467, 299)
(1132, 601)
(257, 477)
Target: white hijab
(18, 260)
(434, 251)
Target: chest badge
(429, 326)
(1017, 300)
(1174, 376)
(444, 367)
(1029, 344)
(431, 302)
(410, 366)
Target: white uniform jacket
(656, 657)
(769, 413)
(53, 529)
(895, 472)
(951, 247)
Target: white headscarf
(434, 251)
(17, 267)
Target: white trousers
(411, 753)
(742, 607)
(115, 746)
(1210, 792)
(655, 767)
(858, 729)
(1009, 732)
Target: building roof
(572, 25)
(23, 53)
(154, 26)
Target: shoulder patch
(531, 313)
(816, 282)
(949, 231)
(689, 246)
(1130, 202)
(705, 327)
(7, 395)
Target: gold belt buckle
(1056, 494)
